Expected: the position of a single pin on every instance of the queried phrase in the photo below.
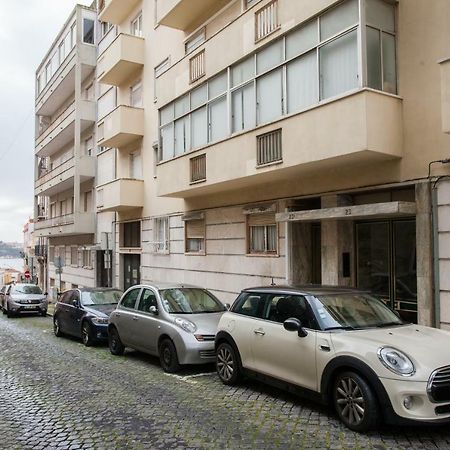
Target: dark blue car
(84, 313)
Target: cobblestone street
(55, 393)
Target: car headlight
(99, 320)
(186, 325)
(396, 361)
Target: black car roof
(97, 289)
(306, 289)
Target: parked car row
(339, 346)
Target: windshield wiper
(341, 328)
(389, 324)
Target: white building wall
(444, 251)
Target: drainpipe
(436, 275)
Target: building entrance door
(131, 270)
(386, 263)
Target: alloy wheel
(350, 401)
(225, 363)
(85, 334)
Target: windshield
(27, 289)
(189, 301)
(100, 298)
(351, 311)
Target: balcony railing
(40, 250)
(46, 175)
(52, 127)
(57, 221)
(123, 58)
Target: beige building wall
(64, 152)
(360, 141)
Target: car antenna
(272, 284)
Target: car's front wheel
(57, 327)
(9, 313)
(86, 334)
(168, 356)
(355, 402)
(115, 344)
(227, 364)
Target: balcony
(116, 11)
(61, 178)
(187, 14)
(67, 225)
(359, 129)
(121, 195)
(62, 84)
(121, 127)
(445, 94)
(62, 130)
(123, 58)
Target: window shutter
(261, 219)
(195, 229)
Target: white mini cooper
(342, 347)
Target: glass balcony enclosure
(348, 47)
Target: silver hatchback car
(176, 322)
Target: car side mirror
(294, 324)
(228, 306)
(75, 303)
(46, 293)
(153, 310)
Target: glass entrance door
(386, 263)
(131, 270)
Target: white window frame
(161, 235)
(195, 41)
(136, 28)
(134, 88)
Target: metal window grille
(269, 148)
(198, 168)
(197, 66)
(266, 20)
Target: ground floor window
(195, 236)
(262, 234)
(161, 234)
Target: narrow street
(55, 393)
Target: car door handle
(259, 331)
(135, 318)
(117, 314)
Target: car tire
(168, 356)
(355, 402)
(9, 313)
(86, 334)
(57, 327)
(228, 364)
(4, 310)
(115, 344)
(43, 313)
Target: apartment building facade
(279, 141)
(65, 162)
(247, 142)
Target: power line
(16, 136)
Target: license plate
(29, 307)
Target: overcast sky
(27, 29)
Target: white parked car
(340, 346)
